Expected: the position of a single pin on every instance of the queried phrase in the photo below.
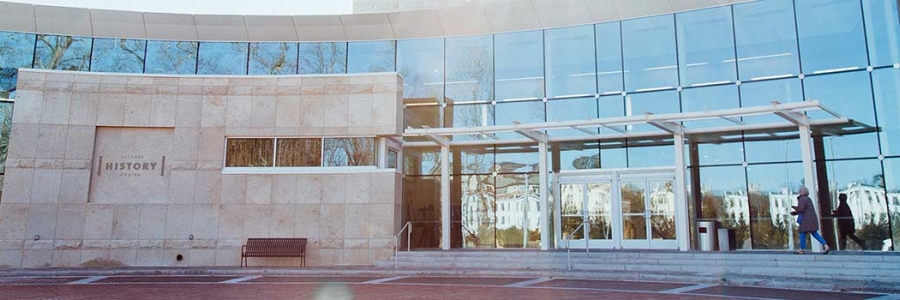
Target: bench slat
(274, 247)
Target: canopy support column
(544, 187)
(445, 197)
(682, 226)
(809, 174)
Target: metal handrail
(568, 238)
(396, 241)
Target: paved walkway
(382, 288)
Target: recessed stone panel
(130, 165)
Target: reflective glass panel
(118, 55)
(831, 35)
(421, 64)
(69, 53)
(523, 112)
(762, 93)
(634, 221)
(721, 153)
(706, 46)
(655, 102)
(349, 152)
(223, 58)
(479, 209)
(863, 183)
(323, 58)
(421, 115)
(709, 99)
(887, 93)
(422, 196)
(570, 64)
(882, 31)
(518, 199)
(472, 159)
(469, 115)
(6, 109)
(16, 49)
(170, 57)
(8, 79)
(519, 65)
(850, 94)
(577, 155)
(641, 156)
(363, 57)
(571, 210)
(570, 110)
(611, 107)
(773, 190)
(609, 58)
(649, 53)
(250, 153)
(723, 198)
(470, 69)
(599, 210)
(766, 39)
(613, 154)
(892, 182)
(273, 58)
(517, 158)
(424, 161)
(299, 152)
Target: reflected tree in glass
(250, 153)
(299, 152)
(273, 58)
(323, 58)
(723, 195)
(8, 79)
(171, 57)
(349, 152)
(118, 55)
(364, 57)
(421, 63)
(6, 109)
(772, 192)
(470, 69)
(69, 53)
(223, 58)
(16, 49)
(519, 64)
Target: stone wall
(61, 208)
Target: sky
(229, 7)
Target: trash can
(727, 241)
(706, 235)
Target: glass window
(892, 182)
(887, 102)
(421, 161)
(577, 155)
(569, 110)
(118, 55)
(421, 64)
(69, 53)
(766, 39)
(609, 58)
(273, 58)
(655, 102)
(519, 64)
(570, 61)
(613, 154)
(650, 58)
(864, 184)
(773, 190)
(472, 160)
(170, 57)
(422, 196)
(721, 153)
(849, 94)
(705, 46)
(366, 57)
(883, 31)
(518, 197)
(16, 49)
(6, 109)
(708, 99)
(323, 58)
(723, 198)
(470, 69)
(478, 215)
(223, 58)
(831, 35)
(762, 93)
(250, 153)
(417, 116)
(641, 156)
(8, 79)
(349, 152)
(469, 115)
(391, 159)
(299, 152)
(522, 111)
(611, 107)
(516, 158)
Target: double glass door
(617, 211)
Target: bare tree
(62, 53)
(177, 57)
(272, 59)
(323, 58)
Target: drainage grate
(39, 280)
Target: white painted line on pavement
(89, 280)
(383, 280)
(886, 297)
(687, 288)
(242, 279)
(528, 282)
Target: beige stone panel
(382, 222)
(383, 188)
(319, 28)
(28, 107)
(287, 112)
(270, 28)
(126, 221)
(70, 222)
(259, 189)
(228, 257)
(55, 108)
(356, 221)
(238, 111)
(213, 111)
(66, 258)
(38, 244)
(602, 10)
(189, 110)
(51, 142)
(416, 24)
(17, 17)
(639, 8)
(367, 26)
(98, 224)
(356, 257)
(221, 27)
(186, 143)
(325, 257)
(332, 221)
(124, 257)
(264, 89)
(182, 186)
(148, 257)
(47, 188)
(96, 258)
(111, 110)
(74, 186)
(24, 163)
(284, 189)
(376, 255)
(385, 110)
(560, 13)
(512, 16)
(334, 188)
(360, 110)
(207, 165)
(263, 111)
(118, 24)
(255, 224)
(11, 258)
(23, 140)
(11, 244)
(358, 191)
(153, 221)
(80, 142)
(41, 222)
(209, 184)
(137, 110)
(124, 244)
(116, 181)
(288, 90)
(37, 258)
(13, 220)
(178, 221)
(282, 221)
(163, 110)
(234, 189)
(312, 111)
(17, 185)
(212, 144)
(231, 222)
(310, 189)
(205, 222)
(307, 221)
(459, 21)
(288, 131)
(203, 257)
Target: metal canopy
(737, 123)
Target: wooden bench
(274, 247)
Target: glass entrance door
(586, 211)
(648, 213)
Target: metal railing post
(408, 227)
(568, 238)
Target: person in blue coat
(809, 220)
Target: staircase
(845, 271)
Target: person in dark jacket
(846, 225)
(809, 222)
